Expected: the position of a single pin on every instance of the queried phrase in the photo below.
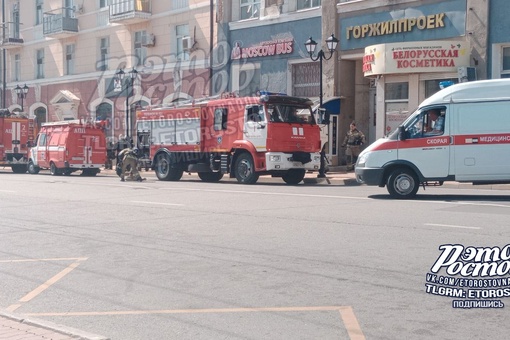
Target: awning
(332, 105)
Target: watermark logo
(475, 277)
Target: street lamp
(120, 75)
(311, 45)
(21, 92)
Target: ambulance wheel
(245, 169)
(210, 176)
(19, 169)
(402, 183)
(32, 169)
(54, 171)
(294, 176)
(165, 171)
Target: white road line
(268, 193)
(451, 226)
(157, 203)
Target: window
(69, 60)
(42, 140)
(182, 33)
(16, 74)
(432, 86)
(103, 3)
(14, 26)
(140, 50)
(505, 70)
(304, 4)
(178, 4)
(38, 12)
(40, 116)
(397, 104)
(104, 48)
(250, 9)
(39, 72)
(428, 123)
(220, 119)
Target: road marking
(46, 284)
(157, 203)
(346, 313)
(268, 193)
(351, 323)
(451, 226)
(49, 259)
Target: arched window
(40, 116)
(104, 112)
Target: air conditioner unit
(149, 40)
(187, 43)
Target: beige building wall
(89, 83)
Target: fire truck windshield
(282, 113)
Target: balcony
(10, 38)
(130, 11)
(60, 25)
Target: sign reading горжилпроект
(475, 277)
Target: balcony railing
(10, 38)
(60, 25)
(130, 11)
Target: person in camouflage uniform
(129, 160)
(353, 141)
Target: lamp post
(311, 45)
(21, 92)
(120, 75)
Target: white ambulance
(461, 133)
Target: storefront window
(505, 72)
(397, 104)
(432, 86)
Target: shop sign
(415, 57)
(263, 49)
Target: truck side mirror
(401, 133)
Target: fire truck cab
(69, 146)
(242, 136)
(16, 133)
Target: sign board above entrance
(415, 57)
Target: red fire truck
(242, 136)
(16, 133)
(69, 146)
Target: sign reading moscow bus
(415, 57)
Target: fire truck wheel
(402, 183)
(19, 169)
(165, 171)
(32, 169)
(294, 176)
(210, 176)
(54, 171)
(245, 169)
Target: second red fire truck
(244, 137)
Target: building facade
(68, 53)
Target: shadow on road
(451, 198)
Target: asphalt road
(194, 260)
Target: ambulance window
(220, 119)
(42, 140)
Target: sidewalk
(15, 327)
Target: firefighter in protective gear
(354, 139)
(129, 159)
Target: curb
(50, 326)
